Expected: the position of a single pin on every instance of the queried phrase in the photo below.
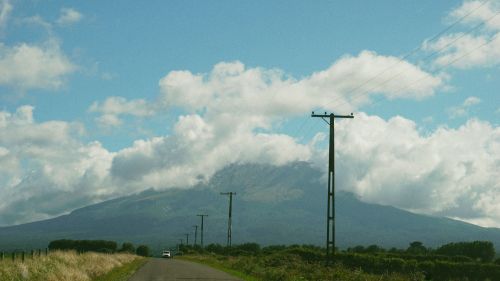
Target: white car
(166, 254)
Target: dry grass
(62, 266)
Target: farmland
(303, 262)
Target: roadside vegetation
(76, 260)
(471, 261)
(65, 266)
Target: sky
(101, 99)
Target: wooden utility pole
(330, 216)
(229, 222)
(202, 216)
(195, 234)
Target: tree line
(100, 246)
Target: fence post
(13, 256)
(22, 256)
(2, 256)
(39, 252)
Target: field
(66, 266)
(293, 263)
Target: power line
(418, 49)
(451, 62)
(440, 50)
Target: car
(166, 254)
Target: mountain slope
(273, 205)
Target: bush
(477, 250)
(81, 246)
(128, 247)
(143, 250)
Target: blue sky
(122, 80)
(135, 45)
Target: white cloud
(27, 66)
(5, 10)
(480, 48)
(113, 107)
(477, 12)
(260, 96)
(46, 170)
(69, 16)
(451, 172)
(463, 109)
(231, 88)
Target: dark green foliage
(81, 246)
(478, 250)
(143, 250)
(416, 248)
(285, 262)
(128, 247)
(215, 248)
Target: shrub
(128, 247)
(143, 250)
(81, 246)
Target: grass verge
(124, 272)
(64, 266)
(217, 265)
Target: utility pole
(202, 216)
(330, 215)
(195, 234)
(187, 239)
(179, 246)
(229, 223)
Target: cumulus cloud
(479, 46)
(26, 66)
(451, 172)
(114, 107)
(260, 96)
(69, 16)
(231, 88)
(5, 10)
(463, 109)
(44, 161)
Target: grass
(64, 266)
(289, 268)
(122, 273)
(220, 266)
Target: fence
(23, 255)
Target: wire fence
(23, 255)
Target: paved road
(174, 269)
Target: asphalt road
(174, 269)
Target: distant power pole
(202, 216)
(187, 239)
(178, 245)
(330, 215)
(195, 234)
(229, 223)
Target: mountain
(272, 205)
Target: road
(174, 269)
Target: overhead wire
(436, 52)
(440, 50)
